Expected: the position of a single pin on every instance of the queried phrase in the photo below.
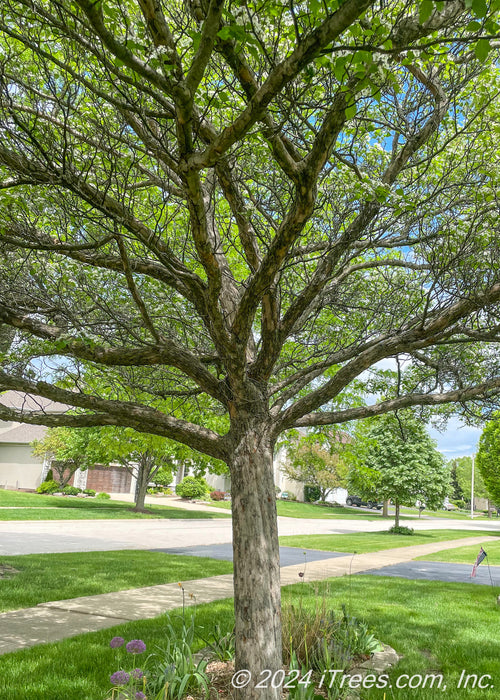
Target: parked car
(357, 501)
(449, 506)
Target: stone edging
(377, 664)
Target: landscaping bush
(217, 495)
(48, 487)
(50, 476)
(159, 490)
(320, 638)
(163, 477)
(312, 493)
(103, 495)
(89, 492)
(192, 487)
(401, 530)
(220, 644)
(71, 490)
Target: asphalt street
(35, 536)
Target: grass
(438, 627)
(296, 509)
(467, 555)
(46, 577)
(16, 505)
(79, 668)
(362, 542)
(450, 514)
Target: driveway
(441, 571)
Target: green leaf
(425, 10)
(479, 8)
(315, 7)
(350, 111)
(339, 68)
(482, 49)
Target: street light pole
(472, 490)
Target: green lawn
(438, 627)
(16, 505)
(451, 514)
(45, 577)
(467, 555)
(361, 542)
(296, 509)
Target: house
(20, 469)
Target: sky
(458, 440)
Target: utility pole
(472, 490)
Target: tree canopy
(218, 218)
(462, 469)
(317, 460)
(198, 199)
(69, 450)
(488, 458)
(396, 459)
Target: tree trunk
(385, 510)
(144, 468)
(256, 562)
(396, 520)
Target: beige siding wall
(18, 468)
(218, 482)
(296, 488)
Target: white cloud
(458, 440)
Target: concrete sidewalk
(53, 621)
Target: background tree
(456, 492)
(141, 454)
(229, 214)
(396, 459)
(68, 450)
(317, 460)
(462, 467)
(488, 458)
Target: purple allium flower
(136, 646)
(120, 678)
(116, 642)
(140, 695)
(137, 673)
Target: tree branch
(414, 336)
(483, 391)
(106, 412)
(167, 352)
